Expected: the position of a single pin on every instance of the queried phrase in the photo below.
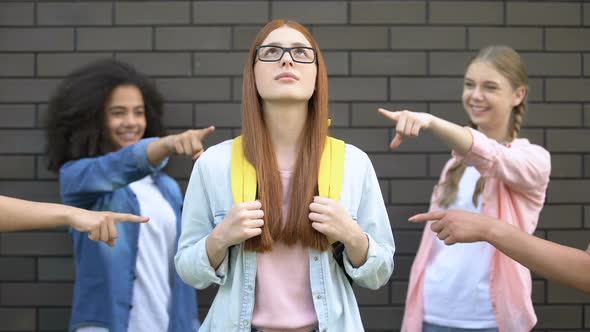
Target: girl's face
(488, 97)
(285, 79)
(124, 116)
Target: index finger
(120, 217)
(389, 114)
(202, 133)
(422, 217)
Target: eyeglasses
(300, 54)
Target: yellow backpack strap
(243, 174)
(331, 173)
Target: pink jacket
(517, 176)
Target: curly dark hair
(75, 121)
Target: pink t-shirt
(283, 299)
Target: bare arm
(551, 260)
(18, 214)
(409, 124)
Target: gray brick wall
(392, 54)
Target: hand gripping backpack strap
(330, 179)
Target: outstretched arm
(18, 214)
(563, 264)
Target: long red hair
(258, 149)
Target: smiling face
(488, 97)
(125, 120)
(285, 80)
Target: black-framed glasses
(273, 53)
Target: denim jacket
(105, 275)
(209, 198)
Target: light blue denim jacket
(209, 198)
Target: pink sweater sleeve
(520, 165)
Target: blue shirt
(209, 198)
(104, 275)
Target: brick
(192, 38)
(17, 269)
(420, 193)
(535, 136)
(74, 13)
(553, 64)
(337, 63)
(587, 166)
(13, 14)
(38, 294)
(546, 14)
(21, 141)
(402, 264)
(368, 140)
(366, 114)
(449, 63)
(430, 38)
(17, 319)
(388, 63)
(586, 62)
(42, 172)
(587, 316)
(323, 12)
(35, 191)
(560, 216)
(381, 318)
(425, 142)
(26, 90)
(436, 163)
(219, 63)
(384, 186)
(387, 12)
(35, 243)
(463, 12)
(169, 12)
(358, 89)
(553, 115)
(399, 165)
(558, 316)
(399, 291)
(230, 12)
(568, 140)
(351, 37)
(243, 36)
(567, 39)
(193, 89)
(566, 166)
(518, 38)
(61, 64)
(569, 191)
(453, 112)
(236, 88)
(29, 39)
(17, 167)
(572, 238)
(56, 269)
(587, 115)
(179, 167)
(425, 89)
(159, 64)
(220, 115)
(365, 296)
(17, 64)
(399, 214)
(560, 294)
(178, 115)
(339, 114)
(586, 21)
(54, 319)
(538, 294)
(17, 115)
(536, 90)
(568, 89)
(115, 39)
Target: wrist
(356, 240)
(217, 242)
